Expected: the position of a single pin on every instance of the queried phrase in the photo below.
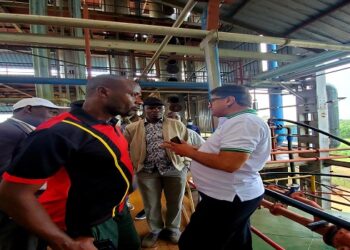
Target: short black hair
(152, 101)
(105, 80)
(240, 93)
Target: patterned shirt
(156, 156)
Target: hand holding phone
(176, 140)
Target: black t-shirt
(95, 156)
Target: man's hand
(81, 243)
(182, 149)
(84, 243)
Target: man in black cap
(158, 169)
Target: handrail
(309, 209)
(313, 128)
(306, 173)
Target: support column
(211, 52)
(210, 44)
(78, 57)
(40, 56)
(312, 110)
(323, 140)
(275, 98)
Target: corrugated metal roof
(318, 20)
(25, 60)
(5, 109)
(321, 20)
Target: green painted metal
(40, 61)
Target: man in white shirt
(225, 171)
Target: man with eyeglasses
(158, 170)
(225, 170)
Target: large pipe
(309, 209)
(308, 62)
(306, 173)
(87, 42)
(308, 151)
(266, 239)
(315, 129)
(26, 39)
(160, 30)
(308, 159)
(67, 81)
(189, 6)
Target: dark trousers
(219, 225)
(120, 230)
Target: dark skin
(154, 113)
(34, 115)
(224, 161)
(106, 96)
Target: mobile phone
(104, 245)
(176, 139)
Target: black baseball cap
(152, 101)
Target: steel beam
(78, 43)
(189, 6)
(161, 30)
(67, 81)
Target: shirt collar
(249, 111)
(86, 118)
(26, 124)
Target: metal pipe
(158, 30)
(307, 62)
(309, 209)
(17, 90)
(278, 209)
(307, 173)
(189, 6)
(287, 178)
(316, 129)
(313, 184)
(266, 239)
(309, 151)
(68, 81)
(308, 159)
(78, 43)
(87, 42)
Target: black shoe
(140, 215)
(168, 235)
(150, 240)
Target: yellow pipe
(313, 184)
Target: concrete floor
(283, 231)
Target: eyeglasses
(211, 100)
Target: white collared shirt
(240, 132)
